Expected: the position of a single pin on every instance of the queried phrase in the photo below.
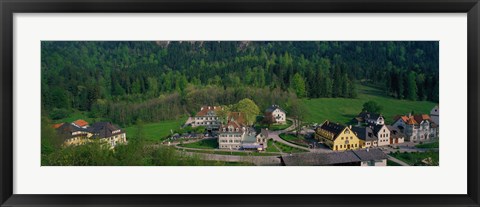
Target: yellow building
(337, 136)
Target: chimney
(350, 126)
(208, 107)
(201, 108)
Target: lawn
(202, 144)
(274, 127)
(270, 147)
(415, 158)
(392, 163)
(156, 131)
(342, 110)
(428, 145)
(294, 139)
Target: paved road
(397, 161)
(274, 136)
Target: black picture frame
(10, 7)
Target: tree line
(119, 79)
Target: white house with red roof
(208, 117)
(416, 128)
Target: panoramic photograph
(240, 103)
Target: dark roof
(334, 158)
(334, 128)
(395, 132)
(364, 133)
(66, 129)
(367, 115)
(264, 133)
(273, 108)
(370, 154)
(104, 129)
(376, 128)
(318, 159)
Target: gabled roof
(273, 108)
(395, 132)
(80, 123)
(421, 117)
(367, 115)
(104, 129)
(235, 120)
(56, 126)
(377, 128)
(334, 128)
(206, 110)
(415, 119)
(364, 133)
(264, 133)
(66, 130)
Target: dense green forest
(152, 81)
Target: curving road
(274, 136)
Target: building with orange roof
(56, 126)
(81, 123)
(208, 117)
(417, 127)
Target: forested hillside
(126, 81)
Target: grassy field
(392, 163)
(428, 145)
(157, 131)
(270, 147)
(274, 127)
(343, 110)
(415, 158)
(202, 144)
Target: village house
(362, 157)
(396, 137)
(369, 118)
(366, 136)
(72, 134)
(337, 137)
(108, 133)
(236, 135)
(382, 133)
(105, 132)
(416, 127)
(275, 115)
(208, 117)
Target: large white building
(416, 128)
(236, 135)
(275, 115)
(208, 117)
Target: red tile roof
(80, 123)
(205, 109)
(56, 126)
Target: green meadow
(158, 130)
(343, 110)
